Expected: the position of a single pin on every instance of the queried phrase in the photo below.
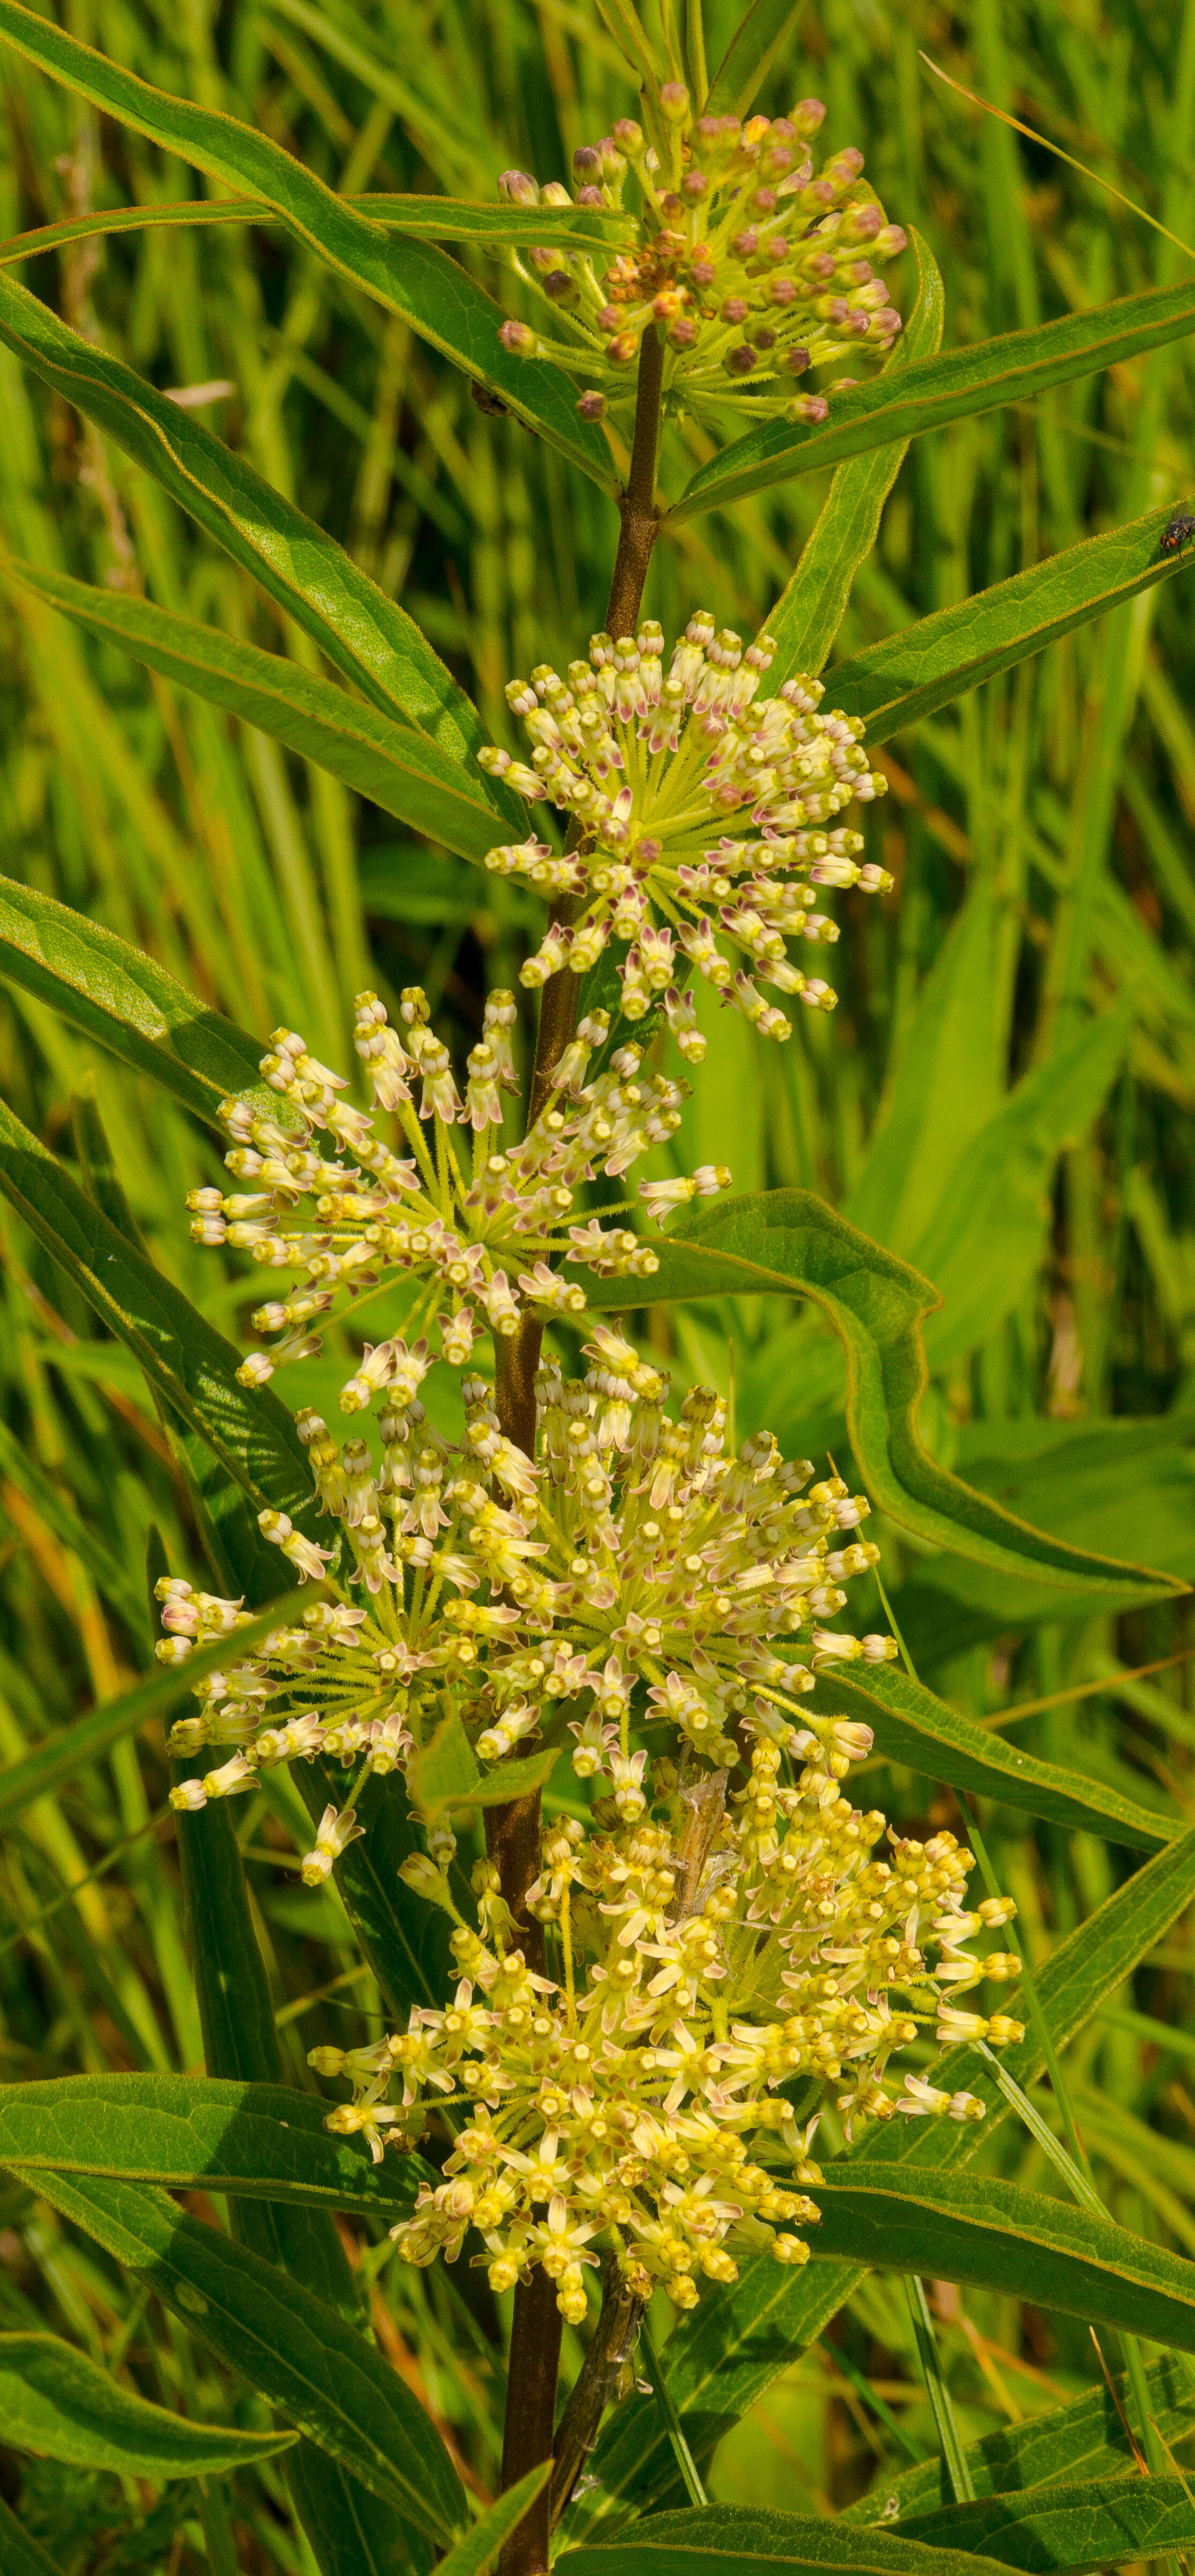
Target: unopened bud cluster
(632, 1576)
(663, 771)
(702, 1955)
(752, 266)
(480, 1231)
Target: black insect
(1179, 533)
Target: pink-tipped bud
(591, 406)
(623, 348)
(795, 361)
(807, 116)
(745, 245)
(810, 408)
(518, 187)
(683, 334)
(559, 285)
(519, 338)
(843, 166)
(765, 340)
(735, 309)
(694, 184)
(861, 224)
(674, 102)
(590, 197)
(889, 240)
(740, 361)
(587, 163)
(628, 136)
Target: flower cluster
(706, 1956)
(660, 770)
(481, 1240)
(633, 1573)
(751, 267)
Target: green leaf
(753, 48)
(186, 1361)
(480, 2546)
(446, 1775)
(298, 2352)
(911, 1725)
(440, 219)
(201, 2133)
(1011, 369)
(122, 1001)
(1089, 2527)
(720, 2361)
(737, 2540)
(1088, 2434)
(56, 2401)
(19, 1465)
(977, 2228)
(39, 1773)
(791, 1243)
(414, 279)
(937, 659)
(394, 764)
(20, 2554)
(371, 641)
(809, 612)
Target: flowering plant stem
(513, 1832)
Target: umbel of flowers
(632, 1576)
(478, 1229)
(704, 1955)
(754, 266)
(704, 817)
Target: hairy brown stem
(512, 1833)
(612, 2342)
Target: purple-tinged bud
(818, 197)
(591, 406)
(613, 164)
(740, 361)
(694, 184)
(831, 308)
(707, 133)
(861, 223)
(520, 339)
(776, 249)
(818, 264)
(683, 334)
(544, 261)
(810, 408)
(763, 201)
(891, 239)
(587, 162)
(807, 116)
(777, 160)
(887, 323)
(518, 187)
(843, 385)
(628, 136)
(735, 309)
(609, 318)
(859, 272)
(591, 197)
(702, 268)
(795, 361)
(674, 102)
(745, 245)
(781, 290)
(857, 325)
(649, 850)
(783, 130)
(765, 340)
(843, 166)
(560, 286)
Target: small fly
(1179, 533)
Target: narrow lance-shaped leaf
(58, 2402)
(298, 2352)
(258, 2141)
(753, 48)
(439, 219)
(122, 1000)
(937, 659)
(1086, 2528)
(414, 279)
(790, 1242)
(186, 1361)
(745, 2540)
(364, 634)
(396, 765)
(954, 386)
(810, 610)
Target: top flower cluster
(755, 268)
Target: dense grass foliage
(1003, 1099)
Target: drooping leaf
(55, 2400)
(123, 1001)
(949, 387)
(790, 1242)
(1086, 2434)
(1100, 2523)
(395, 765)
(39, 1773)
(186, 1361)
(744, 2540)
(976, 2228)
(895, 683)
(913, 1726)
(754, 47)
(201, 2132)
(438, 219)
(721, 2360)
(480, 2546)
(368, 638)
(412, 278)
(809, 612)
(298, 2352)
